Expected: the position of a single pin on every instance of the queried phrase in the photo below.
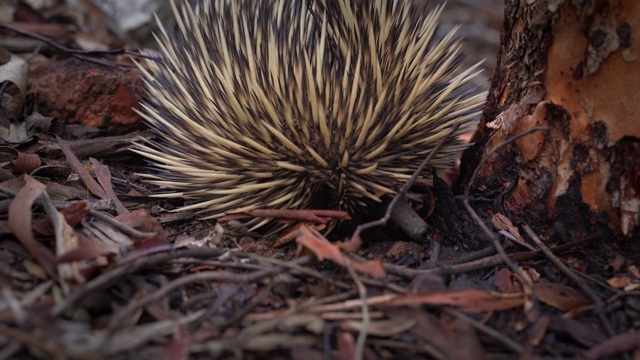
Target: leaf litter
(92, 267)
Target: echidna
(291, 104)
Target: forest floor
(92, 267)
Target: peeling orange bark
(576, 69)
(590, 91)
(595, 76)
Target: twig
(113, 275)
(302, 270)
(488, 251)
(467, 266)
(356, 241)
(249, 266)
(215, 347)
(47, 348)
(434, 252)
(492, 333)
(366, 319)
(127, 230)
(384, 285)
(19, 315)
(195, 277)
(94, 204)
(527, 286)
(132, 338)
(255, 301)
(496, 244)
(622, 342)
(84, 55)
(599, 305)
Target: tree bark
(573, 68)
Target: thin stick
(366, 318)
(355, 240)
(109, 277)
(599, 305)
(488, 331)
(125, 229)
(444, 269)
(78, 53)
(494, 240)
(191, 278)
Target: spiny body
(299, 104)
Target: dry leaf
(618, 282)
(73, 215)
(141, 220)
(383, 328)
(19, 221)
(504, 283)
(323, 249)
(559, 296)
(67, 240)
(80, 170)
(471, 300)
(103, 175)
(212, 238)
(13, 71)
(501, 222)
(26, 163)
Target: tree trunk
(572, 67)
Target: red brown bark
(571, 66)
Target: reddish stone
(81, 92)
